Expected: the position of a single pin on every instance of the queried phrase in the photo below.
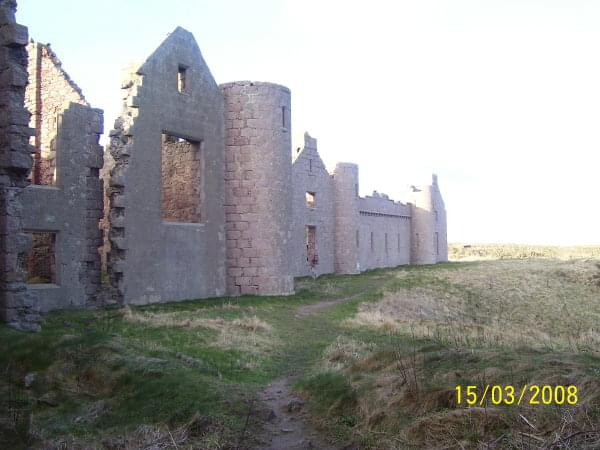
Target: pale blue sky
(500, 98)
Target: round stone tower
(258, 190)
(345, 182)
(423, 248)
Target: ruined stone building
(201, 197)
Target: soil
(287, 422)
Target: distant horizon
(499, 99)
(523, 244)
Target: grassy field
(379, 370)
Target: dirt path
(287, 424)
(286, 420)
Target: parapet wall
(384, 232)
(258, 201)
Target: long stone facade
(337, 231)
(197, 194)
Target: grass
(379, 370)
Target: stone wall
(384, 232)
(345, 182)
(440, 224)
(64, 202)
(309, 175)
(71, 210)
(428, 227)
(151, 259)
(258, 201)
(17, 307)
(49, 92)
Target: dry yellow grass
(248, 333)
(541, 304)
(465, 252)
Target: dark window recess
(182, 179)
(40, 262)
(311, 246)
(182, 79)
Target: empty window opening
(386, 242)
(310, 165)
(356, 190)
(182, 179)
(357, 239)
(311, 246)
(43, 171)
(311, 199)
(182, 78)
(437, 243)
(372, 241)
(398, 242)
(40, 262)
(283, 117)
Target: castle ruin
(197, 195)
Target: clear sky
(500, 98)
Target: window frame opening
(311, 199)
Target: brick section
(257, 188)
(17, 307)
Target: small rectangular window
(437, 243)
(372, 241)
(283, 117)
(181, 78)
(386, 242)
(40, 261)
(357, 239)
(311, 199)
(398, 242)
